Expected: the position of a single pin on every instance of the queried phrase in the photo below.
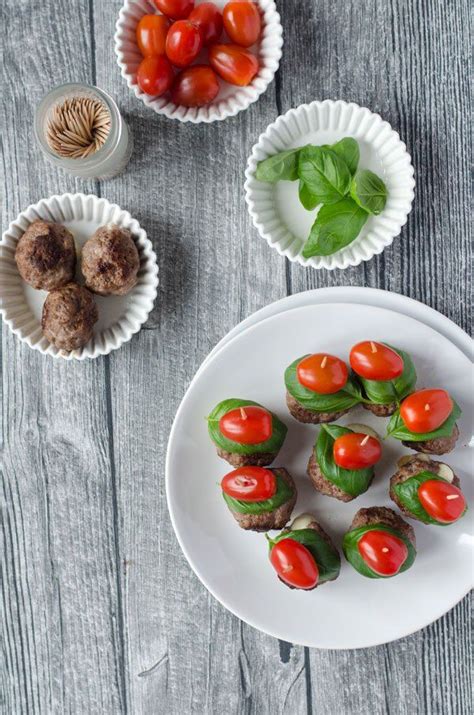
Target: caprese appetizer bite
(342, 461)
(428, 491)
(303, 555)
(379, 543)
(320, 389)
(245, 433)
(386, 374)
(426, 422)
(259, 499)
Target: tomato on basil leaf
(272, 444)
(350, 546)
(294, 564)
(351, 481)
(355, 450)
(283, 493)
(341, 400)
(250, 484)
(396, 427)
(247, 424)
(322, 373)
(384, 392)
(324, 553)
(426, 410)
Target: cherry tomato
(247, 425)
(242, 22)
(176, 9)
(151, 34)
(384, 553)
(426, 410)
(355, 450)
(250, 484)
(294, 564)
(209, 21)
(375, 361)
(322, 373)
(195, 86)
(183, 43)
(155, 75)
(442, 500)
(234, 64)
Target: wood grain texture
(101, 612)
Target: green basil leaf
(351, 481)
(407, 493)
(325, 174)
(348, 150)
(307, 199)
(272, 444)
(341, 400)
(283, 493)
(351, 551)
(382, 392)
(278, 167)
(369, 191)
(396, 428)
(326, 555)
(335, 227)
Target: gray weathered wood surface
(100, 611)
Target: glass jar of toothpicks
(80, 129)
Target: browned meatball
(275, 519)
(303, 414)
(438, 445)
(110, 261)
(381, 410)
(69, 315)
(46, 255)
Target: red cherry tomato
(155, 75)
(234, 64)
(151, 34)
(209, 21)
(183, 43)
(442, 500)
(322, 373)
(195, 86)
(375, 361)
(250, 484)
(242, 22)
(247, 425)
(382, 552)
(294, 564)
(426, 410)
(355, 450)
(176, 9)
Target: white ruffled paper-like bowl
(119, 316)
(275, 208)
(231, 99)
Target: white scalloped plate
(231, 99)
(351, 612)
(276, 210)
(119, 316)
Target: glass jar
(111, 159)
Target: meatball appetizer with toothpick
(320, 389)
(245, 433)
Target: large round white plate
(352, 612)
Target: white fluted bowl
(231, 99)
(275, 208)
(119, 316)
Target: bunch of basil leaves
(329, 176)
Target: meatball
(69, 315)
(438, 445)
(303, 414)
(259, 459)
(323, 485)
(319, 529)
(381, 410)
(110, 261)
(275, 519)
(46, 255)
(414, 465)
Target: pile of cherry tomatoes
(175, 39)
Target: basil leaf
(283, 493)
(272, 444)
(351, 481)
(308, 200)
(396, 428)
(351, 551)
(326, 555)
(349, 396)
(279, 166)
(325, 174)
(407, 494)
(348, 150)
(382, 392)
(369, 191)
(335, 227)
